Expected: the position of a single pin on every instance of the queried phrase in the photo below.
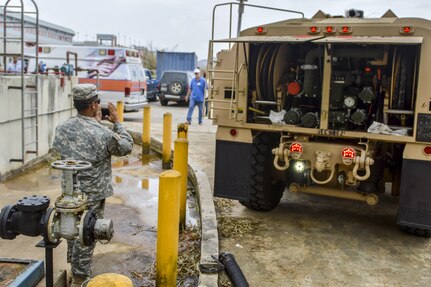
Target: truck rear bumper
(175, 98)
(133, 107)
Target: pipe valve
(69, 219)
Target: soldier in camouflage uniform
(82, 137)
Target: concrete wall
(54, 106)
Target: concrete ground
(310, 240)
(306, 241)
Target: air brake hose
(233, 270)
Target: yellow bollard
(181, 150)
(167, 141)
(167, 228)
(120, 111)
(146, 123)
(182, 131)
(110, 279)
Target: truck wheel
(265, 192)
(164, 102)
(415, 231)
(176, 88)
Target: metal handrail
(237, 70)
(249, 5)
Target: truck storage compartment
(285, 76)
(368, 82)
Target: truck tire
(265, 192)
(415, 231)
(164, 102)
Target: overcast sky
(185, 25)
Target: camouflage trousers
(81, 257)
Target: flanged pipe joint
(69, 219)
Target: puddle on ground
(133, 209)
(41, 179)
(136, 183)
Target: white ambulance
(118, 72)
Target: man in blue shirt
(197, 91)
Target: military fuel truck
(333, 106)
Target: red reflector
(233, 132)
(313, 29)
(407, 29)
(329, 29)
(295, 147)
(260, 29)
(40, 49)
(345, 29)
(427, 150)
(293, 88)
(127, 92)
(348, 153)
(111, 52)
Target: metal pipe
(399, 112)
(369, 198)
(240, 12)
(249, 5)
(271, 103)
(90, 71)
(68, 53)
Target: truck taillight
(261, 30)
(330, 29)
(407, 30)
(158, 87)
(313, 30)
(295, 150)
(427, 150)
(127, 92)
(348, 154)
(346, 30)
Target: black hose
(233, 271)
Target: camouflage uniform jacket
(83, 138)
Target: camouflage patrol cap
(84, 92)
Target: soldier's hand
(113, 116)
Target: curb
(209, 232)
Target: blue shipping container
(182, 61)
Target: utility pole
(240, 12)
